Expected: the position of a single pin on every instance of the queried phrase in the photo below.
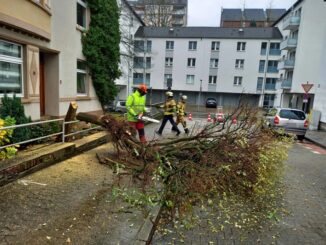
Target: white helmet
(169, 94)
(184, 97)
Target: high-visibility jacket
(135, 105)
(170, 107)
(181, 108)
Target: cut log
(90, 118)
(70, 116)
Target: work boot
(186, 131)
(178, 133)
(157, 132)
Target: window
(215, 46)
(166, 78)
(239, 64)
(138, 78)
(139, 46)
(261, 66)
(241, 46)
(149, 46)
(190, 79)
(168, 62)
(212, 80)
(275, 49)
(292, 114)
(237, 81)
(272, 66)
(191, 62)
(81, 13)
(192, 45)
(11, 68)
(81, 77)
(268, 100)
(138, 62)
(260, 81)
(263, 48)
(214, 63)
(169, 45)
(270, 83)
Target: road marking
(312, 147)
(26, 182)
(316, 152)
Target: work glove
(140, 116)
(185, 113)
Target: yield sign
(306, 87)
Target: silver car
(291, 120)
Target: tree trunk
(90, 118)
(70, 116)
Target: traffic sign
(306, 87)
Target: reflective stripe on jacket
(181, 108)
(170, 107)
(135, 105)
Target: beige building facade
(41, 57)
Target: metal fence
(62, 131)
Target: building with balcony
(41, 57)
(303, 27)
(210, 62)
(249, 17)
(171, 13)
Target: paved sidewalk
(318, 137)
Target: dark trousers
(165, 119)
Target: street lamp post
(199, 97)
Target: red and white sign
(307, 87)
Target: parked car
(211, 103)
(120, 106)
(291, 120)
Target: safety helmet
(169, 94)
(142, 88)
(184, 97)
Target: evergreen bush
(14, 108)
(101, 47)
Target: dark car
(211, 103)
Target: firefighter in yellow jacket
(170, 107)
(181, 113)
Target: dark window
(81, 13)
(292, 114)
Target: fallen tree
(223, 159)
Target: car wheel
(300, 137)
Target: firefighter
(135, 110)
(181, 113)
(170, 107)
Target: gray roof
(254, 15)
(274, 14)
(209, 32)
(251, 14)
(231, 14)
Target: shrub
(13, 107)
(45, 129)
(5, 136)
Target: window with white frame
(239, 64)
(81, 13)
(190, 79)
(192, 45)
(11, 68)
(241, 46)
(191, 62)
(168, 62)
(214, 63)
(215, 46)
(81, 78)
(166, 78)
(237, 81)
(212, 80)
(169, 45)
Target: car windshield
(211, 100)
(292, 114)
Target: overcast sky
(208, 12)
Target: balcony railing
(272, 69)
(263, 51)
(142, 65)
(137, 81)
(270, 86)
(275, 52)
(287, 64)
(286, 84)
(289, 43)
(291, 23)
(259, 86)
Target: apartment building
(209, 62)
(303, 27)
(41, 57)
(250, 17)
(162, 12)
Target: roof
(209, 32)
(287, 12)
(254, 15)
(251, 14)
